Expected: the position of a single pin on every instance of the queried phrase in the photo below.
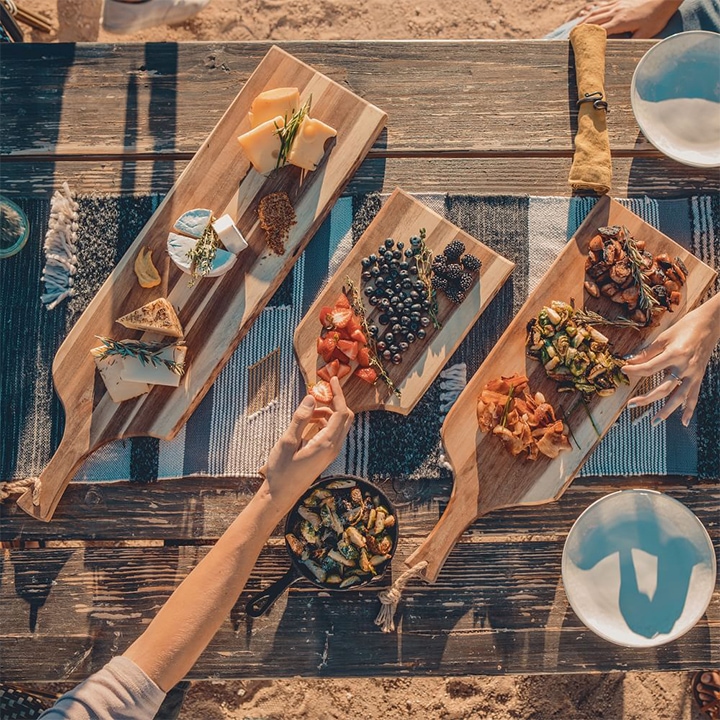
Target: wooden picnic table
(479, 117)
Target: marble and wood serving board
(215, 313)
(400, 218)
(487, 477)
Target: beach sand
(611, 696)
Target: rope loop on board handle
(19, 487)
(390, 598)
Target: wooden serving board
(487, 477)
(400, 218)
(215, 313)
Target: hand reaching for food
(641, 18)
(682, 352)
(296, 461)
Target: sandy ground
(615, 696)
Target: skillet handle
(259, 604)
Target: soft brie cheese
(284, 102)
(193, 222)
(178, 247)
(110, 369)
(309, 145)
(262, 145)
(135, 371)
(229, 235)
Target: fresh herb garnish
(288, 132)
(359, 309)
(646, 299)
(146, 353)
(424, 260)
(592, 318)
(203, 254)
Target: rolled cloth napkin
(592, 165)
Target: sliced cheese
(193, 222)
(110, 369)
(157, 316)
(178, 247)
(284, 102)
(309, 146)
(229, 235)
(135, 371)
(262, 145)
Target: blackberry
(439, 282)
(465, 281)
(471, 263)
(453, 271)
(455, 295)
(454, 250)
(439, 263)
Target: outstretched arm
(192, 615)
(641, 18)
(683, 352)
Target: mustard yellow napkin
(592, 165)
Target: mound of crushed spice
(277, 216)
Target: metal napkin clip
(596, 98)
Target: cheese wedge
(193, 222)
(262, 145)
(110, 369)
(178, 247)
(135, 371)
(284, 102)
(309, 146)
(229, 235)
(157, 316)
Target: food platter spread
(396, 228)
(487, 477)
(214, 312)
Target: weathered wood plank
(497, 608)
(654, 176)
(457, 95)
(195, 509)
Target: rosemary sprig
(646, 300)
(359, 309)
(146, 353)
(506, 409)
(289, 131)
(424, 261)
(203, 254)
(592, 318)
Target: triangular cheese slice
(157, 316)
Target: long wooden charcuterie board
(217, 312)
(400, 218)
(487, 477)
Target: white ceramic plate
(675, 96)
(638, 568)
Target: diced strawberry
(327, 346)
(321, 391)
(343, 370)
(354, 324)
(363, 357)
(324, 312)
(339, 317)
(359, 336)
(342, 301)
(367, 374)
(349, 348)
(323, 373)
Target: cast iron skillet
(263, 601)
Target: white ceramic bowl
(638, 568)
(675, 96)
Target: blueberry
(403, 346)
(409, 253)
(410, 338)
(414, 325)
(373, 258)
(389, 243)
(374, 300)
(425, 321)
(381, 250)
(394, 348)
(407, 283)
(383, 319)
(366, 262)
(400, 245)
(389, 338)
(384, 302)
(415, 241)
(388, 256)
(375, 271)
(413, 270)
(397, 327)
(396, 358)
(396, 254)
(394, 300)
(366, 275)
(421, 334)
(373, 330)
(369, 291)
(380, 345)
(386, 354)
(405, 321)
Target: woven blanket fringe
(452, 382)
(60, 249)
(389, 599)
(19, 487)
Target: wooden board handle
(459, 514)
(73, 449)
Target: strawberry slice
(327, 346)
(342, 301)
(343, 370)
(339, 317)
(359, 336)
(322, 392)
(363, 357)
(324, 312)
(367, 374)
(349, 348)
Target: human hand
(641, 18)
(683, 352)
(294, 463)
